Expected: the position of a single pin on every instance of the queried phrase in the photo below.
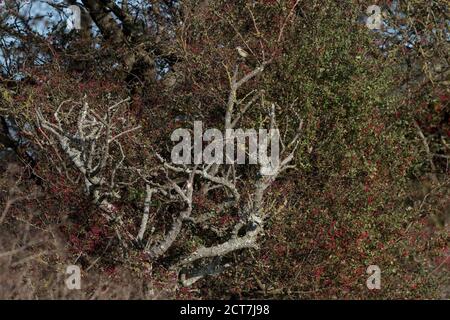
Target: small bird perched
(242, 52)
(246, 58)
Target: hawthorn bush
(350, 203)
(369, 187)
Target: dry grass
(33, 258)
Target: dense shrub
(364, 190)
